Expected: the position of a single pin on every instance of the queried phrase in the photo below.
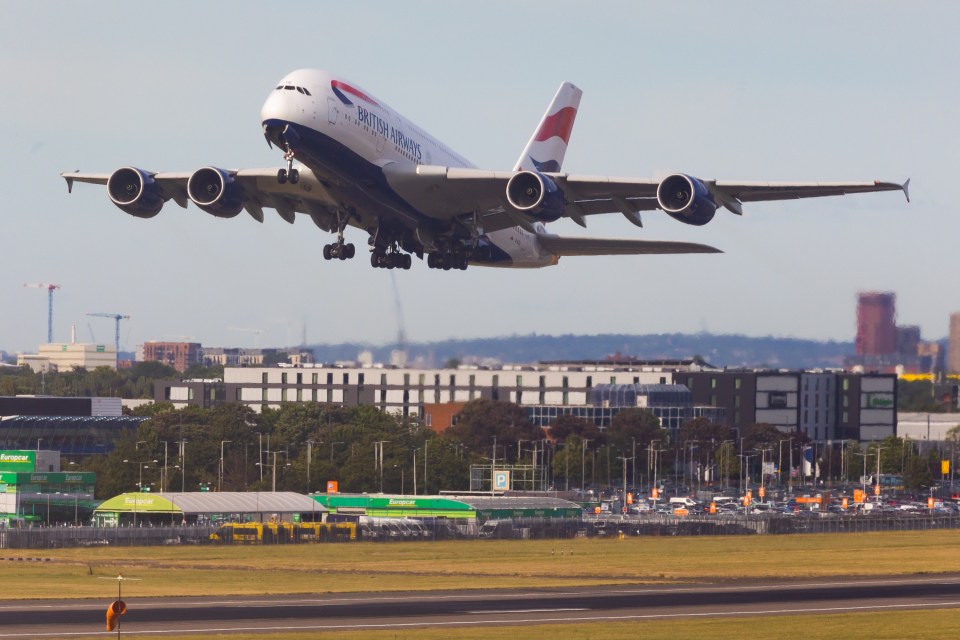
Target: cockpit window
(290, 87)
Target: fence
(701, 525)
(528, 528)
(57, 537)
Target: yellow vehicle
(284, 532)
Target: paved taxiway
(159, 616)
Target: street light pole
(220, 477)
(583, 465)
(310, 459)
(415, 470)
(378, 458)
(142, 463)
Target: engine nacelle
(536, 195)
(135, 192)
(686, 199)
(215, 191)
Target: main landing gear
(289, 174)
(447, 261)
(339, 249)
(390, 260)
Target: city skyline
(753, 91)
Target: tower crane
(50, 288)
(117, 317)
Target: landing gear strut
(289, 174)
(339, 249)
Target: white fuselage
(360, 134)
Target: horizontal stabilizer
(567, 246)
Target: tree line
(300, 446)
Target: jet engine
(135, 192)
(536, 195)
(215, 191)
(686, 199)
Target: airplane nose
(275, 107)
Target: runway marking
(496, 622)
(530, 610)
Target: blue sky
(747, 90)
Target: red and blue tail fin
(548, 145)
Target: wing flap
(570, 246)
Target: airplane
(361, 164)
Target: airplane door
(333, 111)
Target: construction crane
(117, 317)
(50, 288)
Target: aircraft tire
(350, 250)
(326, 252)
(294, 176)
(282, 176)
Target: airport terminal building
(825, 404)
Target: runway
(341, 612)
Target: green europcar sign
(145, 502)
(396, 506)
(18, 460)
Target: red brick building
(179, 355)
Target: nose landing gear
(289, 174)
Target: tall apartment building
(876, 325)
(953, 355)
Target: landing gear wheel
(327, 255)
(350, 250)
(293, 176)
(282, 176)
(375, 260)
(407, 262)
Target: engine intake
(536, 195)
(215, 191)
(135, 192)
(686, 199)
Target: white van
(683, 502)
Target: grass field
(916, 625)
(327, 568)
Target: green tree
(566, 425)
(637, 427)
(482, 420)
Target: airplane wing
(449, 192)
(258, 189)
(570, 246)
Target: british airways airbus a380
(361, 164)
